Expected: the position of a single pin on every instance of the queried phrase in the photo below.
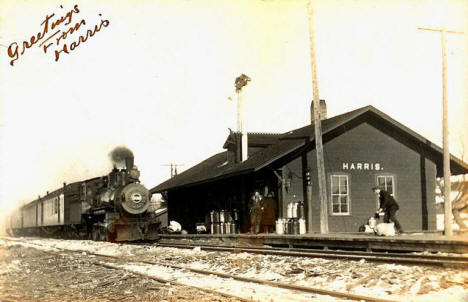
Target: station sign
(362, 166)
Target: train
(114, 207)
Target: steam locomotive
(109, 208)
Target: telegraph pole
(322, 182)
(239, 83)
(445, 133)
(173, 168)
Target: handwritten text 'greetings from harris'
(55, 32)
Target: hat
(377, 188)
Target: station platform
(407, 242)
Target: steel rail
(239, 278)
(162, 280)
(260, 281)
(158, 279)
(306, 289)
(368, 256)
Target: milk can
(279, 227)
(233, 227)
(295, 227)
(300, 210)
(289, 212)
(302, 226)
(211, 219)
(221, 216)
(214, 216)
(228, 227)
(223, 228)
(290, 226)
(216, 228)
(235, 215)
(212, 231)
(294, 210)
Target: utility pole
(445, 133)
(322, 182)
(173, 168)
(239, 83)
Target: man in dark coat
(389, 206)
(256, 212)
(269, 213)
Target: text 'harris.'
(57, 35)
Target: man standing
(256, 212)
(269, 212)
(389, 206)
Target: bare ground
(28, 274)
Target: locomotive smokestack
(122, 157)
(129, 163)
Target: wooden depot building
(362, 149)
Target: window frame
(393, 176)
(348, 194)
(55, 206)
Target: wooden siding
(413, 173)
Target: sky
(158, 77)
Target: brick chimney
(323, 111)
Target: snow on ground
(391, 281)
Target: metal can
(228, 227)
(279, 227)
(290, 226)
(216, 228)
(235, 214)
(294, 210)
(221, 216)
(215, 216)
(233, 227)
(289, 211)
(302, 226)
(300, 211)
(295, 227)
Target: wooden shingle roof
(280, 145)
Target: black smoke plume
(122, 157)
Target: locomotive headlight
(136, 197)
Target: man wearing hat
(256, 208)
(389, 206)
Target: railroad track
(401, 258)
(295, 289)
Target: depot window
(340, 194)
(55, 205)
(387, 182)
